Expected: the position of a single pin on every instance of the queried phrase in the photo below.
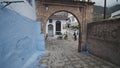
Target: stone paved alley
(63, 54)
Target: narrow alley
(59, 34)
(63, 54)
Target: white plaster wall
(115, 13)
(70, 16)
(54, 26)
(63, 31)
(24, 8)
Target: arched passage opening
(66, 25)
(82, 11)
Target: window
(58, 27)
(29, 1)
(50, 20)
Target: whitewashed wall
(63, 22)
(24, 9)
(114, 14)
(70, 17)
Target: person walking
(75, 36)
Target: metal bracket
(9, 2)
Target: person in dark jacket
(75, 36)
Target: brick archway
(82, 11)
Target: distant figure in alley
(75, 36)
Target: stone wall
(103, 39)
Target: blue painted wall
(20, 38)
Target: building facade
(20, 38)
(72, 20)
(56, 26)
(26, 8)
(115, 14)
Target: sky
(109, 2)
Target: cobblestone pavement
(63, 54)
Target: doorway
(50, 30)
(58, 27)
